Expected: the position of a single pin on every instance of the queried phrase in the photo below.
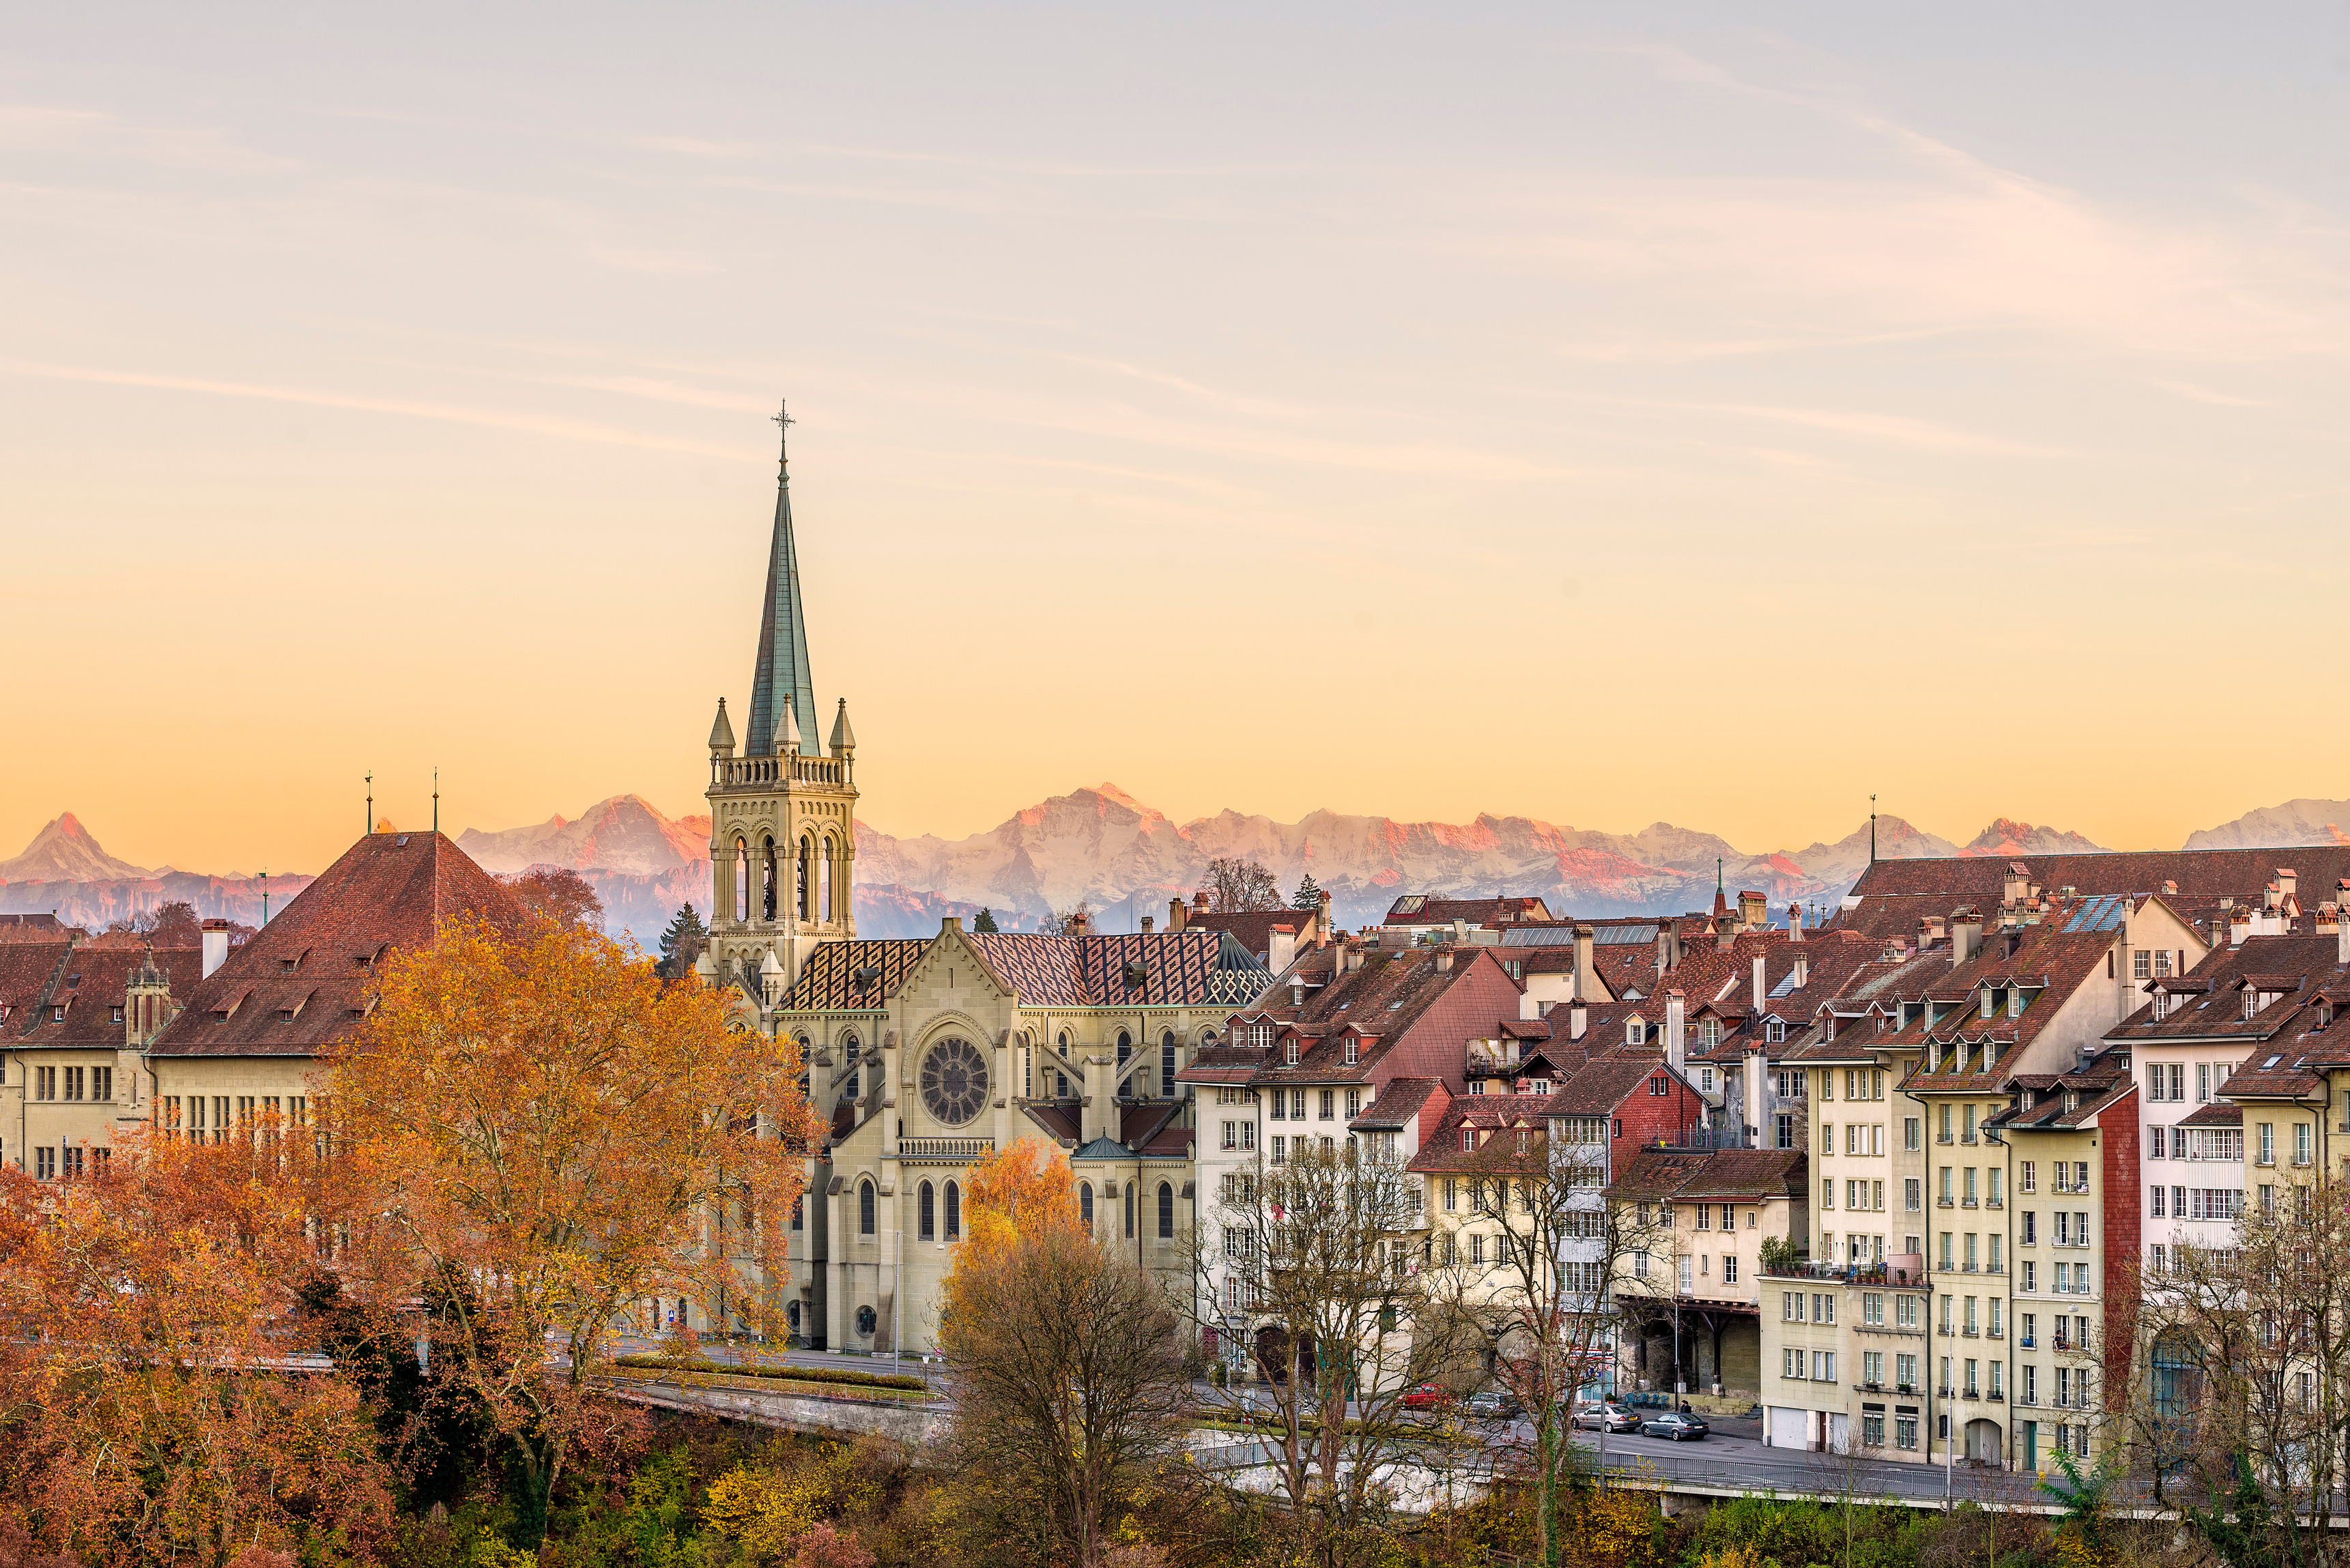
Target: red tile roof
(89, 985)
(304, 980)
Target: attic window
(73, 979)
(2024, 1100)
(2269, 1063)
(1289, 1052)
(287, 964)
(58, 1013)
(2072, 1099)
(1774, 1031)
(118, 1015)
(1635, 1032)
(1989, 1005)
(1468, 1140)
(2015, 1003)
(1352, 1048)
(1395, 1004)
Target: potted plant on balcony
(1780, 1255)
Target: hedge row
(792, 1373)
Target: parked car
(1493, 1405)
(1605, 1418)
(1674, 1425)
(1427, 1397)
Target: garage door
(1789, 1428)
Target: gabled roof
(840, 977)
(89, 986)
(1666, 1175)
(1419, 909)
(2207, 1002)
(304, 980)
(1188, 967)
(1397, 1105)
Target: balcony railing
(945, 1148)
(1846, 1273)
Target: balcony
(1969, 1393)
(1995, 1394)
(950, 1150)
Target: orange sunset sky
(1556, 411)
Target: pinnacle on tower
(787, 731)
(844, 739)
(722, 730)
(780, 684)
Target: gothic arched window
(803, 880)
(928, 1230)
(1165, 1212)
(767, 895)
(1085, 1203)
(824, 879)
(865, 1209)
(1130, 1211)
(741, 900)
(1166, 1065)
(850, 1049)
(954, 1211)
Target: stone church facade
(925, 1056)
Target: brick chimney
(1795, 922)
(1753, 913)
(1281, 949)
(1581, 988)
(1147, 920)
(1445, 960)
(1176, 910)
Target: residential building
(1690, 1300)
(76, 1018)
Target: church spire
(781, 679)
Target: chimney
(1281, 949)
(1579, 1018)
(1582, 988)
(1080, 924)
(1724, 932)
(1322, 921)
(1795, 922)
(2288, 880)
(1803, 971)
(2239, 926)
(1444, 960)
(1676, 1045)
(1176, 909)
(1757, 1082)
(2342, 941)
(1761, 991)
(215, 945)
(1146, 929)
(1966, 935)
(1200, 902)
(2016, 887)
(1753, 914)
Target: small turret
(787, 734)
(722, 733)
(844, 739)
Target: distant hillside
(1098, 845)
(2278, 826)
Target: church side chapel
(922, 1057)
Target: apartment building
(2074, 1142)
(76, 1018)
(1909, 1081)
(1692, 1301)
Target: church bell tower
(783, 814)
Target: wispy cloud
(491, 419)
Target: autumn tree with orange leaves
(1068, 1367)
(159, 1400)
(550, 1134)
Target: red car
(1427, 1397)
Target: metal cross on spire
(783, 423)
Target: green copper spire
(782, 676)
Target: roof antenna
(1872, 830)
(436, 800)
(264, 897)
(370, 784)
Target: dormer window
(2024, 1099)
(1289, 1052)
(1709, 1033)
(1468, 1140)
(2252, 1002)
(2015, 1003)
(1352, 1051)
(1989, 1003)
(1635, 1032)
(2072, 1099)
(1774, 1031)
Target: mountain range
(1102, 846)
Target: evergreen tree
(987, 922)
(683, 943)
(1309, 894)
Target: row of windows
(1327, 1102)
(71, 1162)
(812, 879)
(73, 1083)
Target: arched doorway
(1983, 1442)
